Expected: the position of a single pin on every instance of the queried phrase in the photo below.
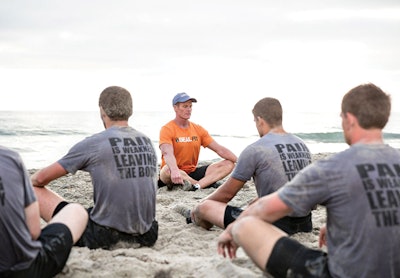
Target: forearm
(268, 208)
(32, 217)
(227, 191)
(222, 197)
(37, 179)
(48, 174)
(171, 162)
(228, 155)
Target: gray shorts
(289, 258)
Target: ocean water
(43, 137)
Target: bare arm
(167, 152)
(226, 191)
(33, 219)
(48, 174)
(268, 208)
(222, 151)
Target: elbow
(39, 179)
(35, 234)
(228, 165)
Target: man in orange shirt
(180, 142)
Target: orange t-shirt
(186, 143)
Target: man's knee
(164, 175)
(202, 209)
(225, 166)
(201, 214)
(228, 165)
(243, 228)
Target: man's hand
(176, 177)
(226, 245)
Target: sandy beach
(182, 250)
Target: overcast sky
(59, 55)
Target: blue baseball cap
(182, 97)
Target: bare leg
(215, 172)
(209, 213)
(48, 201)
(75, 217)
(165, 176)
(257, 238)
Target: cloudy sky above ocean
(59, 55)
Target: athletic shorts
(98, 236)
(197, 174)
(57, 243)
(289, 225)
(292, 225)
(231, 214)
(289, 258)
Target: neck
(117, 123)
(181, 122)
(370, 136)
(277, 130)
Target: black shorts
(292, 225)
(231, 214)
(197, 174)
(289, 225)
(289, 258)
(98, 236)
(57, 243)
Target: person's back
(272, 161)
(18, 249)
(26, 249)
(122, 163)
(277, 156)
(360, 188)
(362, 197)
(123, 166)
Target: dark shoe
(185, 212)
(189, 187)
(216, 184)
(186, 186)
(160, 184)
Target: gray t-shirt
(360, 189)
(122, 163)
(17, 248)
(272, 161)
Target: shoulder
(197, 127)
(9, 154)
(169, 124)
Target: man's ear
(102, 113)
(352, 120)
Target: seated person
(271, 161)
(26, 249)
(359, 189)
(180, 142)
